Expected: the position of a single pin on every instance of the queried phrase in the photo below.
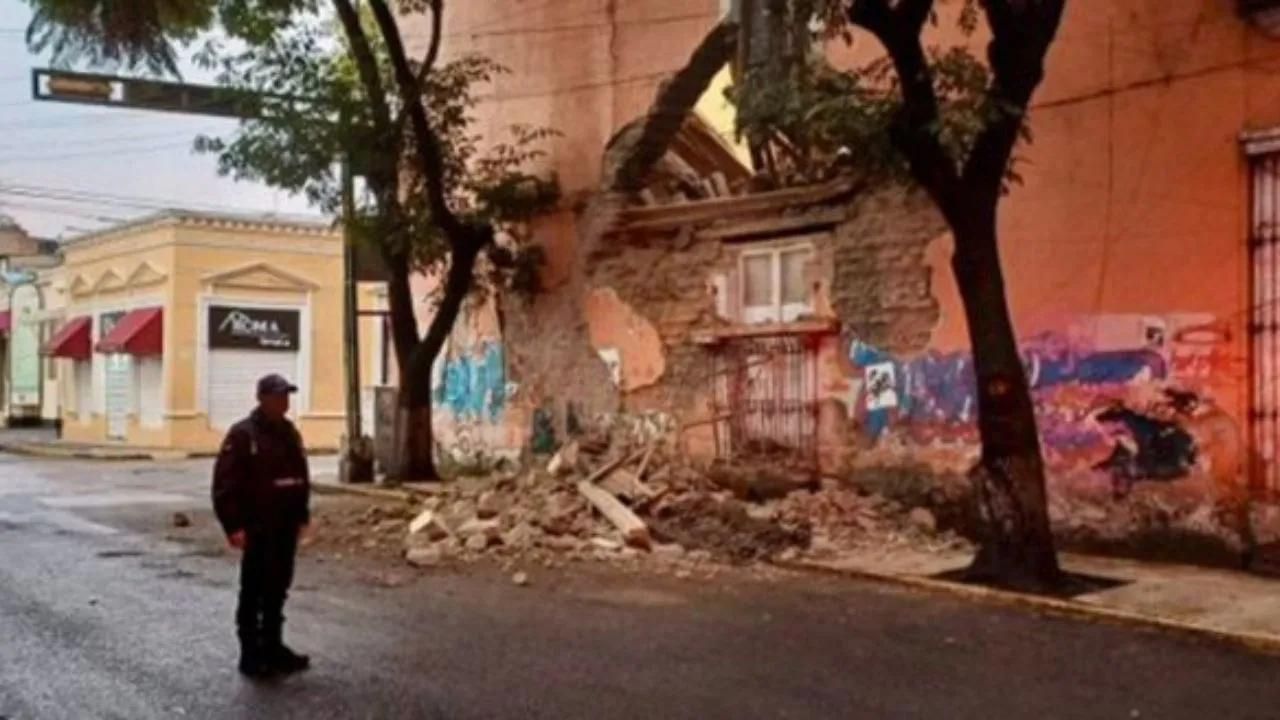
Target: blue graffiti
(473, 385)
(940, 388)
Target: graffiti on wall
(473, 384)
(1113, 394)
(1151, 445)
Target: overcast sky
(65, 169)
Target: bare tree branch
(366, 65)
(915, 129)
(914, 14)
(433, 51)
(1021, 35)
(428, 144)
(428, 62)
(675, 98)
(874, 15)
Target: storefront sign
(253, 328)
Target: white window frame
(776, 311)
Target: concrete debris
(520, 579)
(426, 557)
(521, 535)
(627, 486)
(428, 522)
(634, 531)
(760, 481)
(923, 520)
(181, 520)
(565, 461)
(489, 505)
(627, 502)
(605, 543)
(476, 526)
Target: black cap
(274, 384)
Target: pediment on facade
(108, 281)
(80, 285)
(260, 276)
(146, 274)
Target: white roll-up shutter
(150, 391)
(233, 381)
(84, 388)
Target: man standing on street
(261, 491)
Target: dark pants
(266, 571)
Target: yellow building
(171, 319)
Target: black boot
(279, 658)
(284, 660)
(253, 662)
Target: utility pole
(138, 94)
(357, 456)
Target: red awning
(6, 322)
(140, 332)
(72, 340)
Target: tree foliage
(818, 119)
(952, 124)
(323, 79)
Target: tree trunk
(1016, 547)
(415, 442)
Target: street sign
(116, 91)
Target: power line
(91, 197)
(45, 209)
(115, 140)
(93, 153)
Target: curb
(329, 487)
(100, 454)
(72, 453)
(1257, 642)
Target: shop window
(83, 371)
(775, 285)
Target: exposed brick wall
(881, 287)
(663, 277)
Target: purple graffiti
(934, 394)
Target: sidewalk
(44, 442)
(1221, 604)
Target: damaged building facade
(821, 326)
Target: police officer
(261, 490)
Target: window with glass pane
(757, 271)
(795, 286)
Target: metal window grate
(1264, 322)
(766, 399)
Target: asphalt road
(104, 614)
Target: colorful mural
(1114, 394)
(473, 384)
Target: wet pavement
(106, 611)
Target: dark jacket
(261, 481)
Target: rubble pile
(597, 500)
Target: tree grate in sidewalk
(1073, 585)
